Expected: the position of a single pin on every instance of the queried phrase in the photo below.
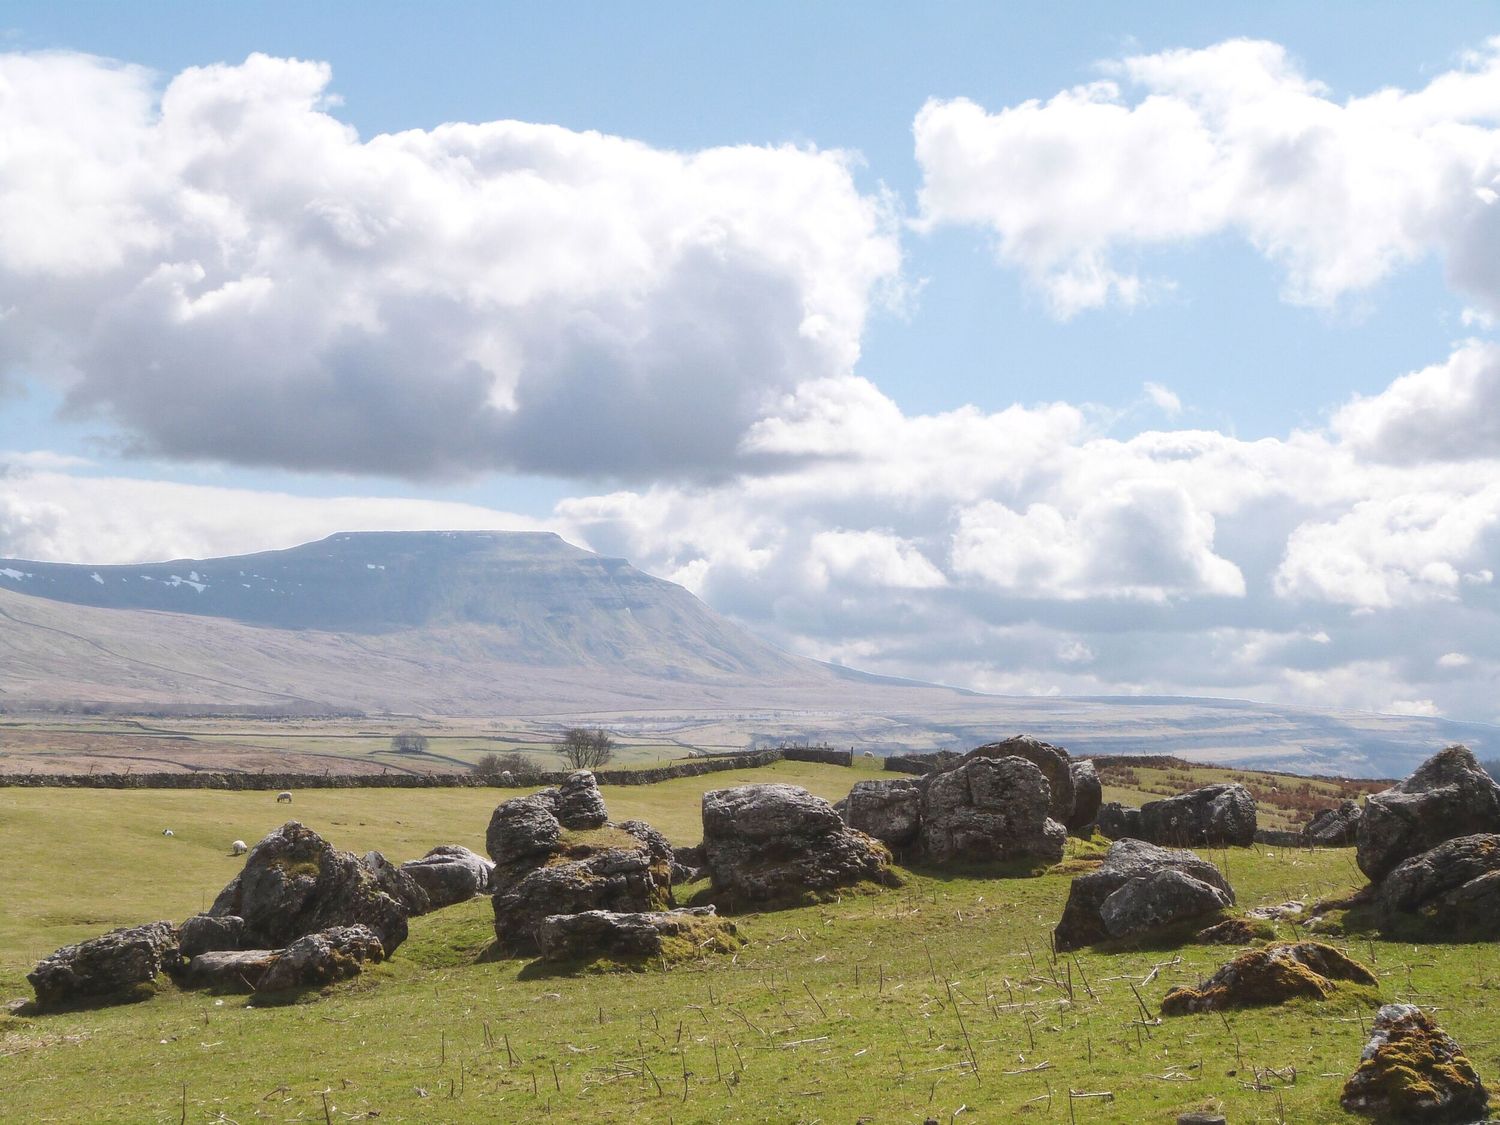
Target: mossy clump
(1236, 931)
(1412, 1070)
(1275, 974)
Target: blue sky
(1300, 567)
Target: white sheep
(238, 848)
(167, 832)
(869, 753)
(283, 796)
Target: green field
(938, 999)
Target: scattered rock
(203, 933)
(1334, 828)
(1119, 822)
(1051, 760)
(772, 844)
(1292, 908)
(1448, 795)
(891, 811)
(522, 828)
(658, 936)
(1088, 795)
(579, 802)
(294, 883)
(1214, 815)
(322, 958)
(449, 874)
(114, 966)
(1454, 887)
(1273, 975)
(1234, 931)
(1412, 1070)
(1139, 887)
(229, 970)
(990, 809)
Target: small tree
(409, 742)
(584, 749)
(491, 767)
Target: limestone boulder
(1334, 828)
(890, 811)
(449, 874)
(396, 882)
(522, 829)
(229, 970)
(314, 960)
(117, 965)
(1454, 888)
(1138, 888)
(1215, 815)
(579, 802)
(1052, 760)
(1088, 796)
(1447, 796)
(775, 844)
(1274, 974)
(662, 935)
(1411, 1070)
(1119, 822)
(294, 883)
(203, 933)
(990, 809)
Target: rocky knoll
(990, 809)
(1447, 796)
(1139, 888)
(1053, 761)
(1412, 1070)
(1454, 887)
(775, 844)
(119, 965)
(1271, 975)
(1215, 815)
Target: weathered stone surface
(891, 811)
(205, 932)
(660, 849)
(1412, 1070)
(990, 809)
(1272, 975)
(1088, 795)
(1138, 865)
(294, 883)
(636, 936)
(772, 844)
(522, 828)
(229, 970)
(111, 966)
(1454, 887)
(1051, 760)
(317, 959)
(1214, 815)
(1334, 828)
(397, 883)
(1448, 795)
(449, 874)
(1119, 822)
(688, 865)
(579, 802)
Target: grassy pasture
(878, 1007)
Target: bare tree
(584, 749)
(409, 742)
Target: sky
(1079, 349)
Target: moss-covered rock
(1412, 1070)
(1304, 970)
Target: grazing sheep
(238, 848)
(167, 832)
(283, 796)
(869, 753)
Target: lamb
(167, 832)
(238, 848)
(283, 796)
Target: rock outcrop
(1119, 822)
(1447, 796)
(1272, 975)
(580, 805)
(1088, 796)
(991, 809)
(775, 844)
(891, 811)
(663, 936)
(117, 965)
(1215, 815)
(398, 883)
(294, 883)
(205, 932)
(1052, 760)
(1334, 828)
(1412, 1070)
(1139, 888)
(522, 828)
(1454, 888)
(449, 874)
(322, 958)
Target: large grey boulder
(1138, 888)
(229, 970)
(1411, 1070)
(1052, 760)
(1119, 822)
(1214, 815)
(113, 966)
(636, 937)
(1454, 888)
(774, 844)
(317, 959)
(1334, 828)
(891, 811)
(1447, 796)
(579, 802)
(1088, 796)
(398, 883)
(522, 828)
(449, 874)
(990, 809)
(205, 932)
(294, 883)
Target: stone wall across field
(824, 754)
(206, 779)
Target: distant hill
(504, 624)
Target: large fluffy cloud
(226, 271)
(1234, 137)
